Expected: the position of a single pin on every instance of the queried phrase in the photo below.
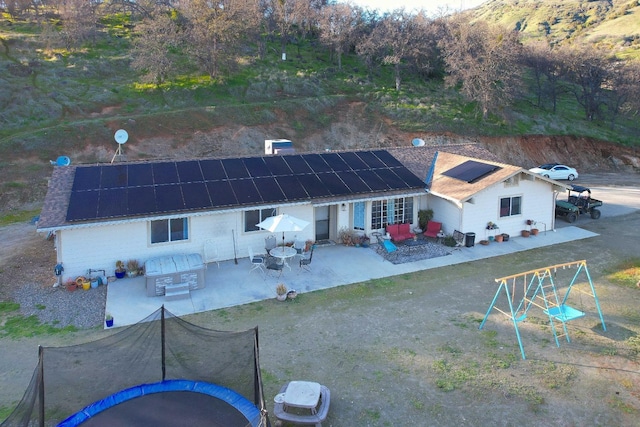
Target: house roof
(80, 195)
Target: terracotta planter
(499, 238)
(535, 231)
(484, 242)
(525, 233)
(72, 286)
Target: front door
(322, 222)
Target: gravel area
(59, 307)
(421, 249)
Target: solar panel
(313, 185)
(189, 171)
(292, 188)
(245, 191)
(113, 176)
(336, 162)
(112, 203)
(141, 200)
(196, 195)
(269, 189)
(333, 183)
(471, 171)
(86, 178)
(354, 183)
(373, 180)
(83, 205)
(221, 193)
(391, 179)
(277, 165)
(408, 177)
(387, 158)
(112, 191)
(371, 160)
(169, 198)
(316, 163)
(165, 173)
(212, 170)
(140, 174)
(297, 164)
(235, 168)
(354, 161)
(256, 167)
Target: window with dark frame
(510, 206)
(169, 230)
(253, 217)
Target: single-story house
(99, 214)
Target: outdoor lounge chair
(433, 228)
(389, 247)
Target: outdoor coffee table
(413, 243)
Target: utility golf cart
(578, 202)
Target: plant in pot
(108, 319)
(120, 270)
(281, 292)
(532, 227)
(424, 216)
(132, 267)
(71, 285)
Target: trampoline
(169, 403)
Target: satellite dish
(121, 136)
(417, 142)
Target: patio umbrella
(283, 222)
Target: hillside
(58, 102)
(610, 24)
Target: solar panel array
(471, 171)
(138, 189)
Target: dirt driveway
(407, 351)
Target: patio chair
(274, 264)
(269, 243)
(433, 229)
(211, 253)
(257, 262)
(305, 261)
(389, 247)
(299, 245)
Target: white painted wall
(99, 247)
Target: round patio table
(283, 253)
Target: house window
(358, 215)
(510, 206)
(169, 230)
(251, 218)
(391, 211)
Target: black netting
(69, 378)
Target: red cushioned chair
(433, 228)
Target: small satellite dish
(417, 142)
(121, 136)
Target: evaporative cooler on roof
(471, 171)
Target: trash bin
(469, 239)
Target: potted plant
(424, 216)
(108, 319)
(281, 292)
(71, 285)
(531, 223)
(365, 241)
(132, 267)
(120, 270)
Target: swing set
(537, 288)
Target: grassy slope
(59, 102)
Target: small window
(251, 218)
(510, 206)
(169, 230)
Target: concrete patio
(333, 265)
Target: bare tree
(549, 68)
(589, 71)
(154, 42)
(79, 22)
(214, 30)
(399, 39)
(483, 60)
(624, 90)
(339, 24)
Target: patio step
(176, 291)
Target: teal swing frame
(539, 290)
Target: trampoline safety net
(160, 347)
